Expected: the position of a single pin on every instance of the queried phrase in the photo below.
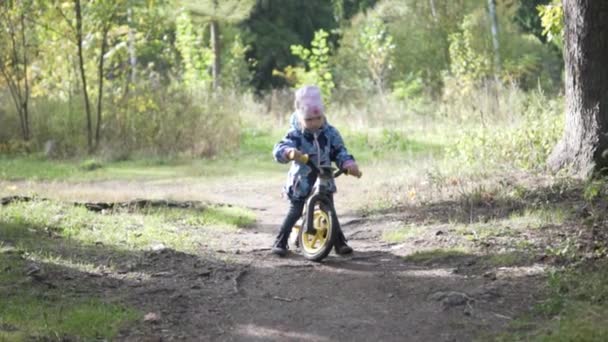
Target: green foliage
(274, 26)
(317, 70)
(471, 61)
(527, 17)
(577, 303)
(91, 164)
(552, 21)
(524, 59)
(236, 69)
(377, 48)
(525, 144)
(196, 57)
(408, 89)
(223, 11)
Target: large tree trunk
(584, 146)
(83, 74)
(215, 45)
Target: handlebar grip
(303, 158)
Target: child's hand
(294, 154)
(353, 170)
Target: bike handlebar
(305, 159)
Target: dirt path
(239, 292)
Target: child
(309, 134)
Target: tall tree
(216, 12)
(15, 49)
(274, 26)
(494, 29)
(83, 75)
(584, 146)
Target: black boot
(340, 245)
(280, 246)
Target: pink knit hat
(308, 102)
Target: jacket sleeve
(291, 140)
(338, 153)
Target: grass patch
(575, 308)
(215, 217)
(506, 259)
(29, 310)
(180, 229)
(388, 143)
(404, 233)
(439, 255)
(254, 158)
(515, 223)
(539, 218)
(33, 167)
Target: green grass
(39, 168)
(515, 223)
(180, 229)
(391, 144)
(438, 255)
(254, 158)
(62, 236)
(403, 233)
(539, 218)
(29, 310)
(575, 308)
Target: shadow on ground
(370, 295)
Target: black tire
(319, 211)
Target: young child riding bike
(309, 134)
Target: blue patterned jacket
(324, 146)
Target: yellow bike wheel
(318, 245)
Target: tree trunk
(26, 84)
(83, 75)
(584, 146)
(104, 46)
(215, 45)
(433, 10)
(131, 42)
(496, 44)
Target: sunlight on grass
(438, 255)
(515, 223)
(403, 233)
(68, 262)
(28, 311)
(539, 218)
(180, 229)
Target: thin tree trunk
(83, 75)
(215, 45)
(584, 146)
(494, 28)
(104, 46)
(26, 85)
(14, 85)
(131, 42)
(433, 10)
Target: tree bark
(215, 45)
(433, 10)
(584, 147)
(83, 75)
(495, 43)
(104, 45)
(26, 84)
